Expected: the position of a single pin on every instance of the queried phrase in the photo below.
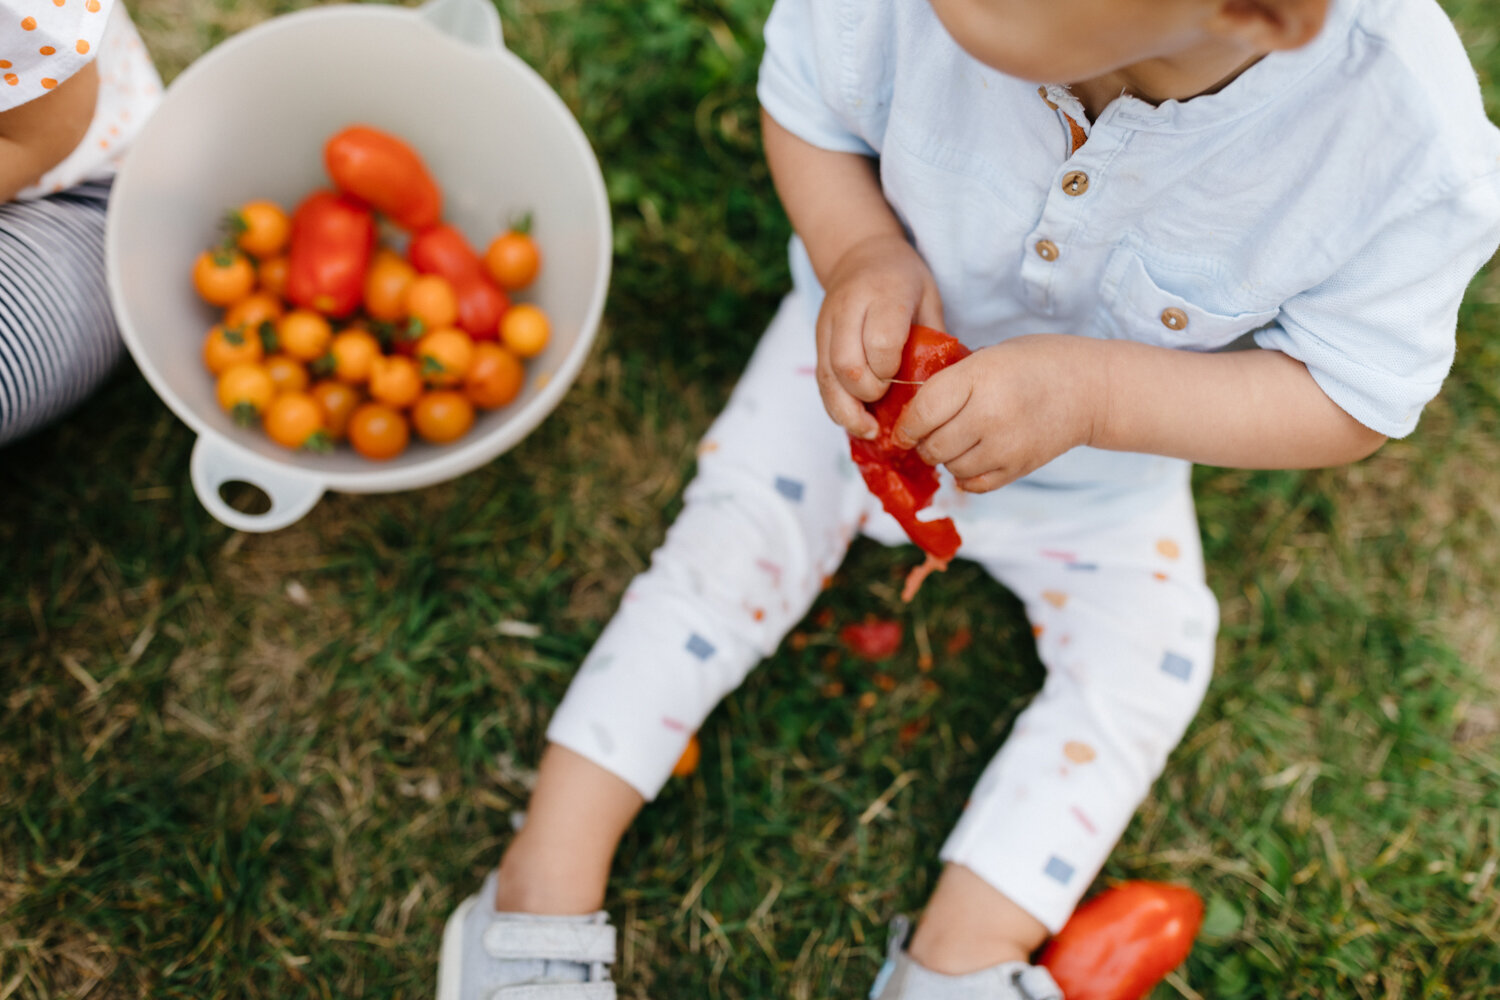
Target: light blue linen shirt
(1335, 201)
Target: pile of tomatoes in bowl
(361, 316)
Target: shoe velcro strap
(1036, 983)
(558, 942)
(556, 991)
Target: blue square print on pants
(1058, 870)
(699, 646)
(789, 488)
(1179, 667)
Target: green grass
(254, 766)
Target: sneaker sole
(451, 959)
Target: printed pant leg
(58, 340)
(1125, 626)
(770, 514)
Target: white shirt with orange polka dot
(44, 42)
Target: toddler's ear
(1271, 25)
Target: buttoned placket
(1063, 213)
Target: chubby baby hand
(878, 288)
(1007, 410)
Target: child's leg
(771, 512)
(559, 862)
(1125, 626)
(57, 332)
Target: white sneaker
(489, 955)
(903, 979)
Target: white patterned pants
(1112, 582)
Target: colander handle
(213, 465)
(473, 21)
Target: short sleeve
(1378, 335)
(798, 76)
(44, 42)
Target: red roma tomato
(1124, 941)
(442, 250)
(904, 483)
(385, 173)
(332, 240)
(873, 639)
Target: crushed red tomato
(872, 639)
(904, 483)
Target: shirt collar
(1262, 83)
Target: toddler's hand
(1007, 410)
(875, 292)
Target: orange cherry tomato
(295, 420)
(254, 309)
(287, 373)
(524, 329)
(431, 300)
(304, 334)
(386, 283)
(339, 400)
(378, 432)
(443, 415)
(223, 277)
(225, 347)
(494, 378)
(260, 228)
(688, 762)
(273, 276)
(395, 381)
(353, 351)
(445, 355)
(513, 260)
(245, 391)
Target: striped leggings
(58, 340)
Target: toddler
(1096, 196)
(75, 86)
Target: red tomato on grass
(872, 639)
(1122, 942)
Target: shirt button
(1075, 182)
(1174, 319)
(1047, 250)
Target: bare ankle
(959, 957)
(969, 925)
(536, 880)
